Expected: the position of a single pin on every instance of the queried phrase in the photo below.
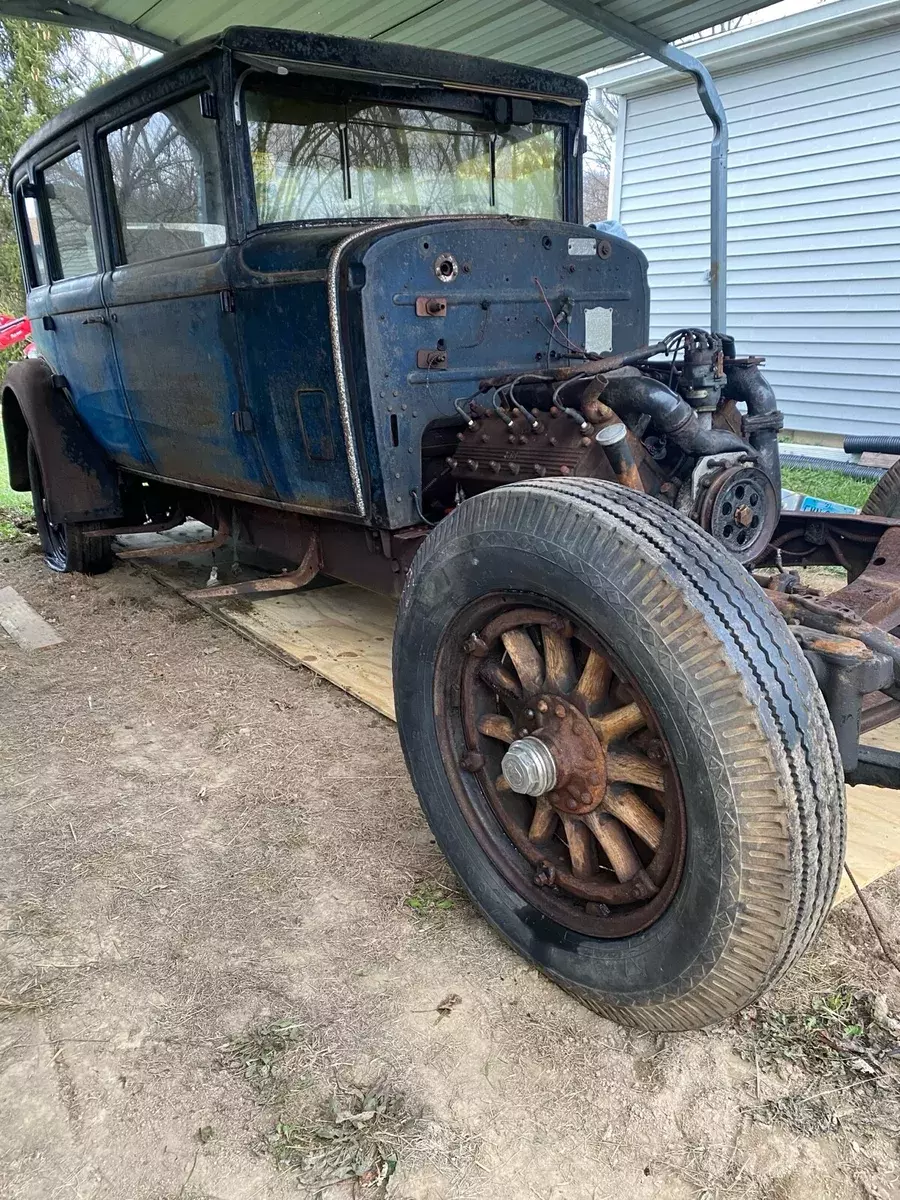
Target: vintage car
(335, 299)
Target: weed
(255, 1055)
(429, 897)
(359, 1137)
(843, 1049)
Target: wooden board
(344, 634)
(23, 624)
(341, 632)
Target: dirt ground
(234, 965)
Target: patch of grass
(11, 501)
(839, 1054)
(429, 897)
(359, 1137)
(827, 485)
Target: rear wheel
(64, 543)
(620, 749)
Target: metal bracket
(431, 306)
(876, 767)
(289, 581)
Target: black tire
(884, 498)
(751, 739)
(64, 545)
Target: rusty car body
(335, 299)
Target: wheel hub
(563, 759)
(560, 767)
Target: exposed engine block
(698, 431)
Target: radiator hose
(763, 420)
(629, 393)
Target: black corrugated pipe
(628, 392)
(763, 420)
(859, 443)
(850, 469)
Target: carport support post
(672, 56)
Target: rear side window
(70, 216)
(29, 216)
(167, 183)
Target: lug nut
(542, 706)
(560, 711)
(655, 751)
(472, 761)
(475, 644)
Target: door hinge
(243, 420)
(227, 301)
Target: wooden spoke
(543, 822)
(494, 726)
(561, 673)
(594, 682)
(618, 723)
(582, 849)
(631, 810)
(616, 844)
(625, 766)
(525, 658)
(501, 680)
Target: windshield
(317, 161)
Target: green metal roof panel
(531, 33)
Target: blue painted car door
(70, 325)
(169, 300)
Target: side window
(167, 182)
(29, 218)
(69, 210)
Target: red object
(13, 330)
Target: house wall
(813, 230)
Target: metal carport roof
(532, 32)
(573, 36)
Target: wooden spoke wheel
(619, 747)
(572, 762)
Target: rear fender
(81, 483)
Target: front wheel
(620, 749)
(65, 546)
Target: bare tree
(600, 129)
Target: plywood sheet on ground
(341, 632)
(344, 634)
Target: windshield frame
(456, 102)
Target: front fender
(80, 482)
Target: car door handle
(94, 321)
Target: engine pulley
(740, 509)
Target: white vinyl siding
(813, 227)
